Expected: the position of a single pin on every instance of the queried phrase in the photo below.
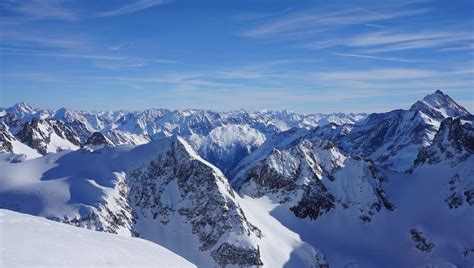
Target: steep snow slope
(27, 241)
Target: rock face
(453, 143)
(6, 139)
(203, 198)
(98, 139)
(421, 241)
(313, 177)
(48, 136)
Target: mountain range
(268, 188)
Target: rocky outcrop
(203, 199)
(98, 139)
(48, 136)
(6, 139)
(453, 144)
(421, 242)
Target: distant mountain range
(271, 189)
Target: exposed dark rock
(229, 254)
(97, 138)
(37, 134)
(315, 202)
(422, 242)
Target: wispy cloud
(302, 23)
(395, 41)
(133, 7)
(339, 26)
(125, 61)
(30, 10)
(376, 58)
(248, 16)
(389, 74)
(36, 38)
(386, 41)
(458, 48)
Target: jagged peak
(441, 103)
(192, 154)
(437, 98)
(22, 107)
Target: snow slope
(27, 241)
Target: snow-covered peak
(21, 110)
(439, 103)
(23, 107)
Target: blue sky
(305, 56)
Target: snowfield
(28, 241)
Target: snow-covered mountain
(223, 138)
(150, 191)
(393, 139)
(271, 189)
(312, 177)
(356, 212)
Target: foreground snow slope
(33, 241)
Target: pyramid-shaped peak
(437, 98)
(23, 107)
(442, 103)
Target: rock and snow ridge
(220, 137)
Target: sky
(304, 56)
